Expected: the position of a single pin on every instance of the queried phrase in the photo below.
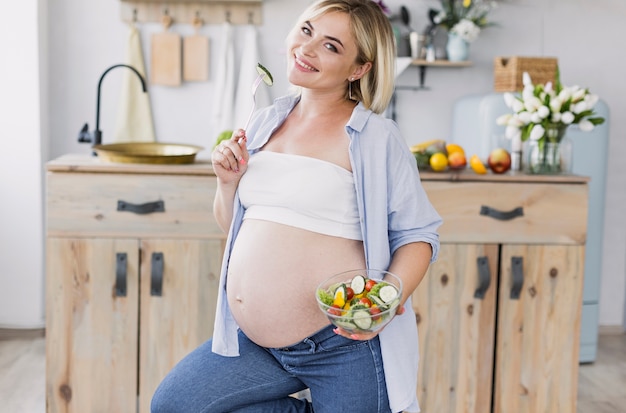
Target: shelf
(237, 12)
(422, 65)
(440, 63)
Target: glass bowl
(360, 301)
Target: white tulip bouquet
(543, 112)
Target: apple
(499, 161)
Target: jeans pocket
(339, 343)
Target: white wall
(21, 204)
(84, 38)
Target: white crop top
(302, 192)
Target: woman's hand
(230, 158)
(364, 336)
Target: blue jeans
(343, 375)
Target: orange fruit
(438, 162)
(477, 165)
(454, 148)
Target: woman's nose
(307, 48)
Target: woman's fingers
(231, 154)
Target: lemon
(477, 165)
(453, 148)
(438, 162)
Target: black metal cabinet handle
(156, 275)
(484, 277)
(517, 270)
(501, 215)
(141, 209)
(120, 274)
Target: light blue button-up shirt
(394, 211)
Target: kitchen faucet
(95, 137)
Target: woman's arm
(410, 262)
(230, 162)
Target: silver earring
(350, 88)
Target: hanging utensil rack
(185, 11)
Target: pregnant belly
(273, 273)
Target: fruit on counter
(477, 165)
(456, 160)
(421, 147)
(422, 160)
(499, 160)
(438, 162)
(437, 147)
(454, 148)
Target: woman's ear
(361, 70)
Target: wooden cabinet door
(91, 328)
(537, 339)
(456, 330)
(179, 283)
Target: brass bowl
(148, 152)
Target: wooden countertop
(467, 175)
(86, 163)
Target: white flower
(591, 100)
(540, 107)
(512, 132)
(524, 117)
(526, 80)
(537, 132)
(567, 118)
(548, 87)
(509, 99)
(532, 104)
(578, 94)
(586, 125)
(555, 104)
(504, 119)
(565, 94)
(543, 112)
(517, 106)
(580, 107)
(466, 30)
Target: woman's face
(322, 54)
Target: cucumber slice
(388, 293)
(358, 284)
(267, 76)
(376, 300)
(362, 319)
(345, 324)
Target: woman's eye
(331, 47)
(306, 31)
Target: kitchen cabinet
(499, 313)
(133, 261)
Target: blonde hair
(375, 43)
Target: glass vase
(457, 48)
(549, 155)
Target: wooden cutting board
(196, 55)
(166, 57)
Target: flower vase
(457, 48)
(549, 155)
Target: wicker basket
(508, 71)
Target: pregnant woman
(320, 183)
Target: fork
(255, 86)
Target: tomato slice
(369, 284)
